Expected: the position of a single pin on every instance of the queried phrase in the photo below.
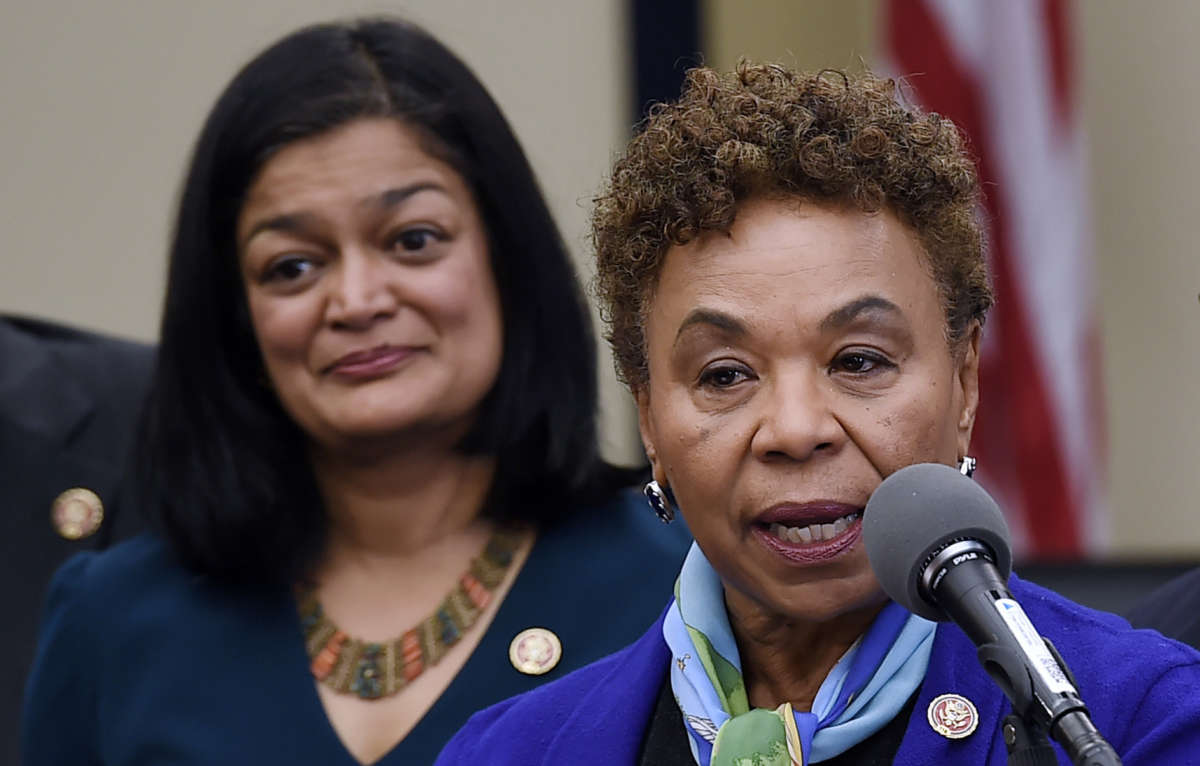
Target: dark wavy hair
(763, 130)
(222, 469)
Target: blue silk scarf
(865, 689)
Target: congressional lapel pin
(953, 716)
(77, 513)
(535, 651)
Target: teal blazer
(143, 662)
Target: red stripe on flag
(1058, 39)
(1016, 433)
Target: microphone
(938, 545)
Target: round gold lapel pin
(535, 651)
(953, 716)
(77, 513)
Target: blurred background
(1081, 113)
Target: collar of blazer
(38, 392)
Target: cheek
(449, 297)
(461, 295)
(462, 309)
(468, 315)
(283, 328)
(918, 428)
(700, 452)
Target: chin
(825, 600)
(371, 433)
(405, 429)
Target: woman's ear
(967, 378)
(641, 395)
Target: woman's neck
(396, 504)
(402, 530)
(786, 660)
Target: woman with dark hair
(370, 444)
(794, 275)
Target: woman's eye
(415, 240)
(859, 362)
(287, 269)
(722, 377)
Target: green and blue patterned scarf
(864, 690)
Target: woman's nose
(359, 291)
(796, 420)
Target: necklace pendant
(367, 681)
(374, 670)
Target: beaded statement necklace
(373, 670)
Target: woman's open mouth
(811, 533)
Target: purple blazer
(1143, 692)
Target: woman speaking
(793, 272)
(370, 444)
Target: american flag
(1002, 70)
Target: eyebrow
(393, 197)
(385, 200)
(718, 319)
(840, 317)
(285, 222)
(834, 320)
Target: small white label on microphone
(1042, 662)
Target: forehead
(354, 161)
(785, 260)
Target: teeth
(813, 532)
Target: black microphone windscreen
(919, 510)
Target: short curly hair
(764, 131)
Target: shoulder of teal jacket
(139, 590)
(624, 525)
(61, 686)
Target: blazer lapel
(954, 669)
(612, 716)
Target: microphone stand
(1025, 731)
(1059, 711)
(1027, 743)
